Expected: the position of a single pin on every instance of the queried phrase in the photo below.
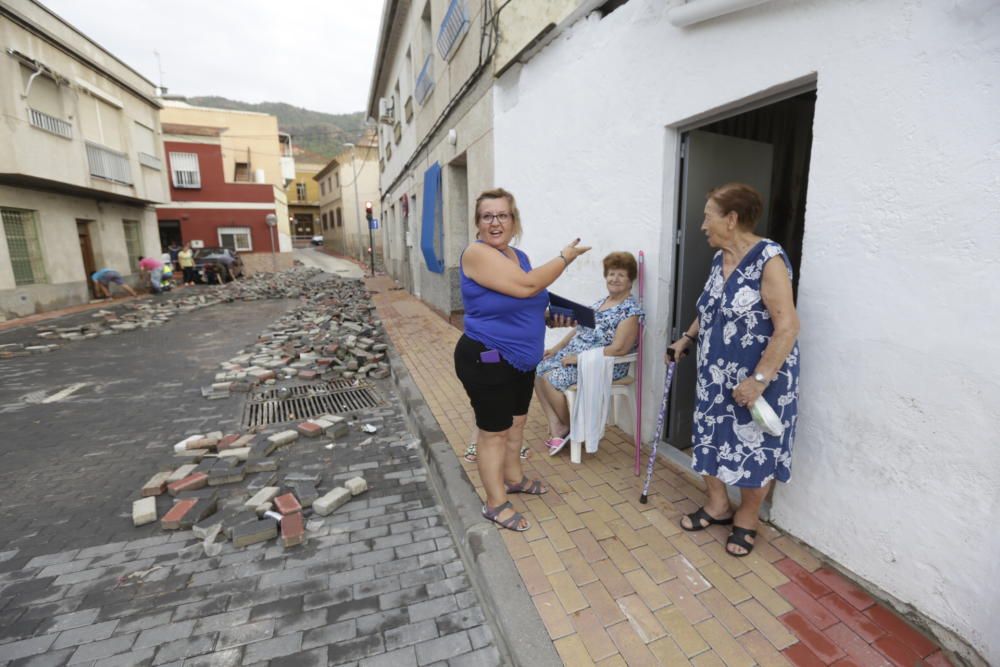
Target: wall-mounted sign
(197, 243)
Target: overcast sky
(316, 54)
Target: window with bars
(235, 238)
(21, 229)
(185, 171)
(133, 243)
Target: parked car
(217, 265)
(317, 240)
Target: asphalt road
(68, 468)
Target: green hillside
(315, 131)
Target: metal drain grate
(296, 403)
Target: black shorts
(498, 392)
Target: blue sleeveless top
(514, 326)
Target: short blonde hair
(500, 193)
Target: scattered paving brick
(331, 590)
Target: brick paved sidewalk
(619, 583)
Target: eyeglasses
(502, 218)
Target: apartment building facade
(346, 183)
(81, 162)
(208, 210)
(430, 95)
(253, 151)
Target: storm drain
(286, 404)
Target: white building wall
(896, 466)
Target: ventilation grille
(296, 403)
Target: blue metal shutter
(431, 223)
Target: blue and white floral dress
(734, 328)
(606, 321)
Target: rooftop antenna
(159, 67)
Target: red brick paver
(616, 582)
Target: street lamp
(272, 222)
(357, 199)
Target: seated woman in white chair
(618, 318)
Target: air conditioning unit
(386, 111)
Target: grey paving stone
(408, 635)
(217, 622)
(276, 608)
(85, 634)
(326, 598)
(403, 597)
(164, 633)
(416, 548)
(404, 657)
(424, 576)
(196, 610)
(317, 657)
(382, 621)
(377, 587)
(443, 648)
(102, 549)
(102, 649)
(351, 577)
(329, 634)
(184, 648)
(245, 634)
(273, 648)
(352, 609)
(462, 619)
(450, 585)
(480, 636)
(51, 559)
(140, 658)
(49, 659)
(484, 657)
(354, 649)
(281, 577)
(304, 621)
(68, 621)
(432, 608)
(229, 658)
(65, 568)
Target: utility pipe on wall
(696, 11)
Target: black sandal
(701, 515)
(739, 538)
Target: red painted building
(206, 210)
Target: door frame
(83, 230)
(673, 208)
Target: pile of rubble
(232, 486)
(291, 284)
(334, 335)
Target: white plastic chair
(622, 406)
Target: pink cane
(638, 379)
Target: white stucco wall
(897, 464)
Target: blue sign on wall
(373, 224)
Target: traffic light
(368, 211)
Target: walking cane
(638, 379)
(644, 498)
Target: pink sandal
(555, 445)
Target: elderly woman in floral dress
(745, 334)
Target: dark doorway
(170, 231)
(304, 224)
(86, 252)
(767, 147)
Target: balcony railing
(43, 121)
(425, 82)
(453, 29)
(108, 164)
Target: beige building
(303, 200)
(346, 183)
(253, 151)
(81, 162)
(430, 94)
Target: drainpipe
(31, 80)
(696, 11)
